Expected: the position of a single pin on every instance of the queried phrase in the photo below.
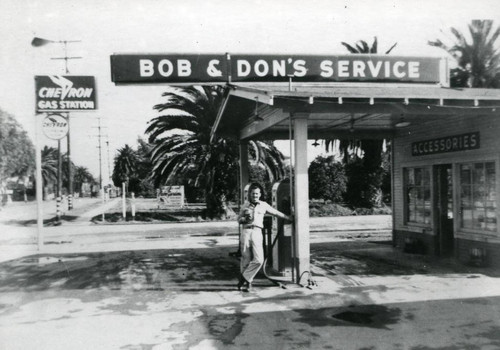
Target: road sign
(55, 126)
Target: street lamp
(37, 42)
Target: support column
(244, 168)
(301, 199)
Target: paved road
(19, 235)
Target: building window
(478, 196)
(418, 195)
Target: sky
(187, 26)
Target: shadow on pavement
(381, 258)
(205, 269)
(46, 222)
(180, 269)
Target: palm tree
(125, 165)
(180, 136)
(82, 175)
(478, 60)
(49, 167)
(348, 147)
(362, 47)
(365, 192)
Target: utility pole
(100, 136)
(59, 183)
(37, 42)
(70, 170)
(109, 164)
(100, 155)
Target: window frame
(406, 204)
(459, 185)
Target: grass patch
(148, 211)
(152, 216)
(321, 209)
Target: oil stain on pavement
(373, 316)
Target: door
(444, 209)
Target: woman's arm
(278, 214)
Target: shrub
(328, 209)
(327, 179)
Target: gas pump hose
(275, 279)
(283, 281)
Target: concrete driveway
(185, 298)
(173, 287)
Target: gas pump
(282, 262)
(278, 240)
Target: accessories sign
(446, 144)
(57, 93)
(130, 69)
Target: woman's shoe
(241, 282)
(247, 287)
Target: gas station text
(180, 68)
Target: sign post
(57, 93)
(56, 127)
(39, 181)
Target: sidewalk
(25, 214)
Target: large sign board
(171, 196)
(177, 68)
(58, 93)
(446, 144)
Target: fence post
(132, 204)
(124, 204)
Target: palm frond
(390, 49)
(349, 47)
(373, 49)
(478, 60)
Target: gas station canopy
(355, 95)
(344, 110)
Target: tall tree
(477, 57)
(327, 179)
(362, 157)
(82, 175)
(125, 167)
(362, 46)
(49, 167)
(17, 153)
(182, 148)
(146, 184)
